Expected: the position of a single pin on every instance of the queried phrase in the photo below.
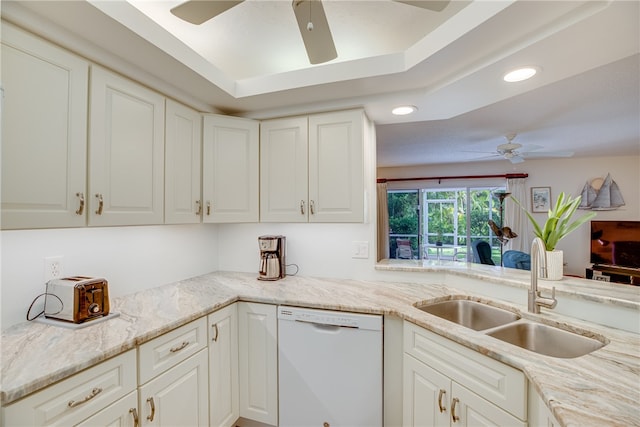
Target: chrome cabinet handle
(208, 208)
(312, 207)
(80, 210)
(454, 402)
(179, 347)
(100, 204)
(440, 396)
(198, 207)
(153, 408)
(134, 412)
(215, 328)
(96, 391)
(302, 207)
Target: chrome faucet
(535, 300)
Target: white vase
(555, 267)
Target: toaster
(76, 299)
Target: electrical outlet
(53, 268)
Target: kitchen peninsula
(600, 388)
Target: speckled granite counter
(602, 388)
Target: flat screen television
(615, 243)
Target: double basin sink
(509, 327)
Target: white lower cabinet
(223, 367)
(178, 397)
(94, 392)
(258, 356)
(123, 413)
(539, 413)
(446, 384)
(174, 378)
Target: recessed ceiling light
(520, 74)
(403, 110)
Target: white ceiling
(250, 61)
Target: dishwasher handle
(327, 327)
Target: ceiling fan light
(403, 110)
(520, 74)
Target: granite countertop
(601, 388)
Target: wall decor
(601, 195)
(540, 199)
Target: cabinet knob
(96, 391)
(301, 207)
(100, 204)
(454, 402)
(208, 208)
(134, 413)
(312, 207)
(153, 408)
(440, 396)
(80, 210)
(198, 207)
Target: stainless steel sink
(547, 340)
(472, 314)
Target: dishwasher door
(330, 368)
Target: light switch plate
(360, 249)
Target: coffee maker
(272, 257)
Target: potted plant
(557, 226)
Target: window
(442, 223)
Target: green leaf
(558, 223)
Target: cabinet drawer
(164, 352)
(78, 397)
(496, 382)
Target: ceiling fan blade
(314, 30)
(199, 11)
(435, 5)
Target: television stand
(607, 273)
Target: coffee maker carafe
(272, 257)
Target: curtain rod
(440, 178)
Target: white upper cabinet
(44, 133)
(312, 168)
(336, 167)
(183, 147)
(230, 169)
(283, 170)
(126, 156)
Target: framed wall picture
(540, 199)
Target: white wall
(130, 258)
(568, 175)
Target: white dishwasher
(330, 368)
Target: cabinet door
(284, 170)
(223, 367)
(336, 167)
(183, 147)
(469, 409)
(258, 348)
(126, 155)
(426, 395)
(44, 133)
(230, 169)
(179, 396)
(123, 413)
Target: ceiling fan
(310, 16)
(516, 153)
